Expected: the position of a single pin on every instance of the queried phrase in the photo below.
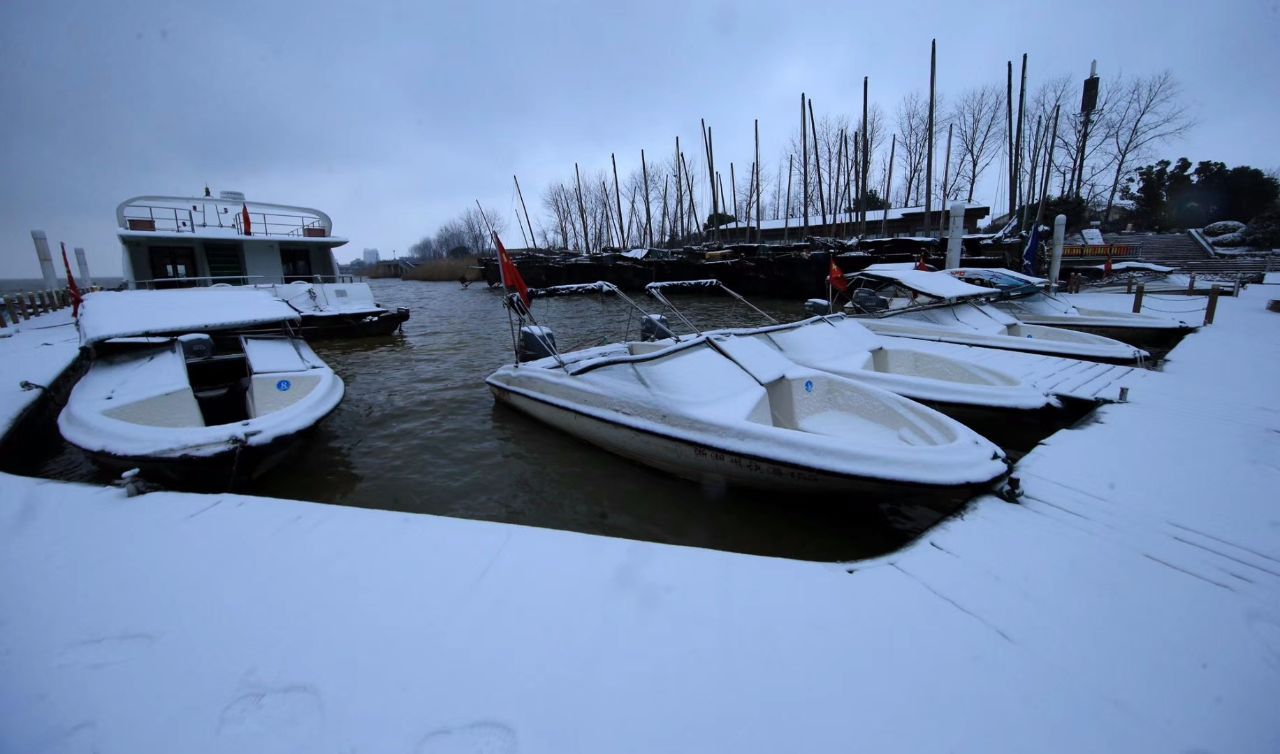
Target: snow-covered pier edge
(1129, 602)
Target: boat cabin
(183, 242)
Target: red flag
(76, 298)
(510, 274)
(921, 265)
(244, 219)
(1107, 267)
(836, 276)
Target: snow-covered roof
(123, 314)
(936, 284)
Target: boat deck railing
(162, 214)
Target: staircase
(1182, 251)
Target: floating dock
(1129, 601)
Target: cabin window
(226, 264)
(296, 264)
(173, 266)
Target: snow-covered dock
(1129, 602)
(35, 351)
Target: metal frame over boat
(937, 306)
(732, 410)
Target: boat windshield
(1009, 286)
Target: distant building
(370, 257)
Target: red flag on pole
(76, 298)
(510, 274)
(836, 277)
(921, 264)
(244, 219)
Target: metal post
(953, 236)
(1212, 308)
(82, 263)
(1128, 285)
(1055, 262)
(1191, 284)
(46, 259)
(1137, 298)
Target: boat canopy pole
(655, 290)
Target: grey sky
(393, 117)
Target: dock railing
(16, 306)
(207, 281)
(171, 214)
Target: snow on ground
(1131, 602)
(34, 350)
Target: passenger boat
(732, 410)
(984, 398)
(190, 242)
(174, 386)
(1029, 299)
(936, 306)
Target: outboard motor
(535, 343)
(817, 306)
(196, 346)
(866, 300)
(654, 327)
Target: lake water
(418, 431)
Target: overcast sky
(394, 117)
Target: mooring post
(1055, 261)
(82, 264)
(33, 307)
(1212, 306)
(1137, 298)
(955, 235)
(46, 259)
(1191, 284)
(1236, 293)
(1128, 285)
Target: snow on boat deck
(1130, 602)
(1070, 378)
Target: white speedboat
(180, 394)
(964, 390)
(734, 410)
(1027, 298)
(937, 306)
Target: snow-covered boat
(937, 306)
(192, 242)
(174, 388)
(734, 410)
(1028, 299)
(975, 394)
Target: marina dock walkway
(35, 351)
(1129, 601)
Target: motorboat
(176, 389)
(1028, 299)
(980, 396)
(733, 410)
(183, 242)
(936, 306)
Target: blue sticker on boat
(808, 386)
(283, 385)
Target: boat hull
(1141, 337)
(710, 465)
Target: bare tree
(912, 114)
(978, 131)
(1147, 111)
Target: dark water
(418, 431)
